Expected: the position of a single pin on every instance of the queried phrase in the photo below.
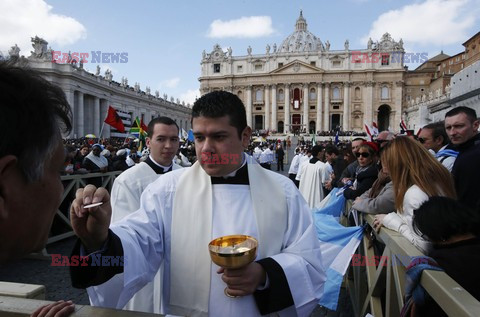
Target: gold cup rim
(219, 242)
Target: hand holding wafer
(90, 215)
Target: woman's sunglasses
(364, 154)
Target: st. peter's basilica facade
(303, 84)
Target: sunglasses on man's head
(364, 154)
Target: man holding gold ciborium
(252, 222)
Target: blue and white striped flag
(332, 204)
(338, 245)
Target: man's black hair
(33, 114)
(438, 130)
(316, 149)
(218, 104)
(331, 149)
(471, 113)
(160, 120)
(440, 218)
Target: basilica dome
(301, 40)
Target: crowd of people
(171, 200)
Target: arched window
(336, 93)
(313, 94)
(385, 92)
(258, 95)
(281, 95)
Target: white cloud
(22, 19)
(431, 22)
(245, 27)
(170, 83)
(189, 96)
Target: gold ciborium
(233, 252)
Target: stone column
(267, 107)
(249, 106)
(80, 121)
(96, 116)
(318, 125)
(70, 95)
(398, 103)
(369, 103)
(305, 107)
(326, 119)
(274, 109)
(286, 124)
(346, 106)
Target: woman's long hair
(410, 163)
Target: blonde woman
(416, 176)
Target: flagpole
(101, 130)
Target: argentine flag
(338, 245)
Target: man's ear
(8, 168)
(246, 134)
(476, 124)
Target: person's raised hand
(91, 225)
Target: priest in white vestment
(312, 178)
(163, 142)
(223, 193)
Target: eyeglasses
(422, 140)
(381, 141)
(364, 154)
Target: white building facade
(90, 95)
(304, 85)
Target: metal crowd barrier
(71, 183)
(385, 281)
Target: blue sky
(165, 39)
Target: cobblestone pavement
(57, 279)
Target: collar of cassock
(159, 169)
(238, 177)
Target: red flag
(143, 126)
(114, 120)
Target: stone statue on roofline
(370, 43)
(14, 51)
(249, 50)
(39, 48)
(97, 73)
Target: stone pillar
(318, 126)
(80, 122)
(267, 107)
(346, 106)
(326, 107)
(96, 116)
(305, 107)
(249, 106)
(286, 124)
(369, 103)
(398, 104)
(274, 109)
(70, 95)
